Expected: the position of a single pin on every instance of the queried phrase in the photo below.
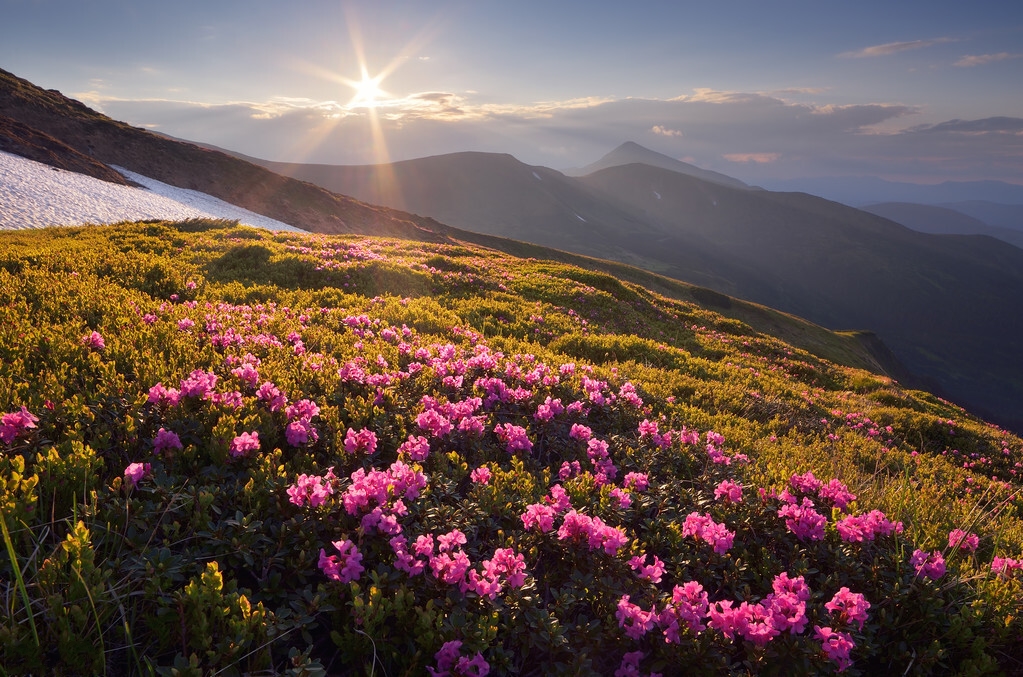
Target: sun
(367, 91)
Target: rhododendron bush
(232, 452)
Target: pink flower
(837, 493)
(730, 491)
(704, 528)
(301, 431)
(481, 475)
(931, 565)
(965, 542)
(580, 432)
(416, 447)
(538, 515)
(245, 443)
(345, 567)
(805, 483)
(303, 409)
(514, 438)
(433, 422)
(637, 481)
(165, 439)
(836, 645)
(164, 396)
(135, 472)
(851, 607)
(689, 607)
(15, 423)
(803, 521)
(272, 395)
(361, 441)
(450, 663)
(631, 617)
(311, 489)
(93, 340)
(506, 567)
(247, 374)
(649, 572)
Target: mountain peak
(631, 152)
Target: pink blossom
(185, 324)
(805, 483)
(416, 447)
(481, 475)
(434, 423)
(539, 515)
(788, 612)
(165, 439)
(569, 469)
(783, 585)
(689, 607)
(303, 410)
(704, 528)
(272, 395)
(93, 340)
(312, 490)
(649, 572)
(931, 565)
(730, 491)
(836, 645)
(851, 607)
(577, 527)
(622, 497)
(364, 441)
(158, 394)
(15, 423)
(559, 499)
(631, 617)
(344, 567)
(803, 521)
(247, 374)
(450, 663)
(245, 443)
(199, 384)
(637, 481)
(514, 438)
(1004, 566)
(135, 472)
(967, 542)
(580, 432)
(506, 567)
(300, 431)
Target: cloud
(894, 48)
(970, 60)
(752, 135)
(664, 131)
(757, 158)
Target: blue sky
(906, 90)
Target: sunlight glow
(367, 90)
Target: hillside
(237, 452)
(631, 153)
(942, 221)
(184, 165)
(949, 307)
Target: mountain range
(949, 307)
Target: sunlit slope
(226, 450)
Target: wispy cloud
(665, 131)
(970, 60)
(894, 48)
(755, 158)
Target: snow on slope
(34, 195)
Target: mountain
(632, 153)
(992, 213)
(108, 142)
(943, 221)
(950, 307)
(863, 190)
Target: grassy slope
(146, 558)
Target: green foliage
(205, 564)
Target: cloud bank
(752, 135)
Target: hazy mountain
(944, 304)
(994, 214)
(632, 153)
(863, 190)
(943, 221)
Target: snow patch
(35, 195)
(579, 217)
(538, 177)
(657, 195)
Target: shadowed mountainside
(630, 153)
(949, 306)
(942, 221)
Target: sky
(919, 91)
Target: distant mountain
(950, 307)
(630, 153)
(994, 214)
(943, 221)
(863, 190)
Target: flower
(362, 440)
(836, 645)
(135, 472)
(481, 475)
(851, 607)
(931, 565)
(345, 567)
(967, 542)
(93, 340)
(244, 443)
(730, 491)
(165, 439)
(15, 423)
